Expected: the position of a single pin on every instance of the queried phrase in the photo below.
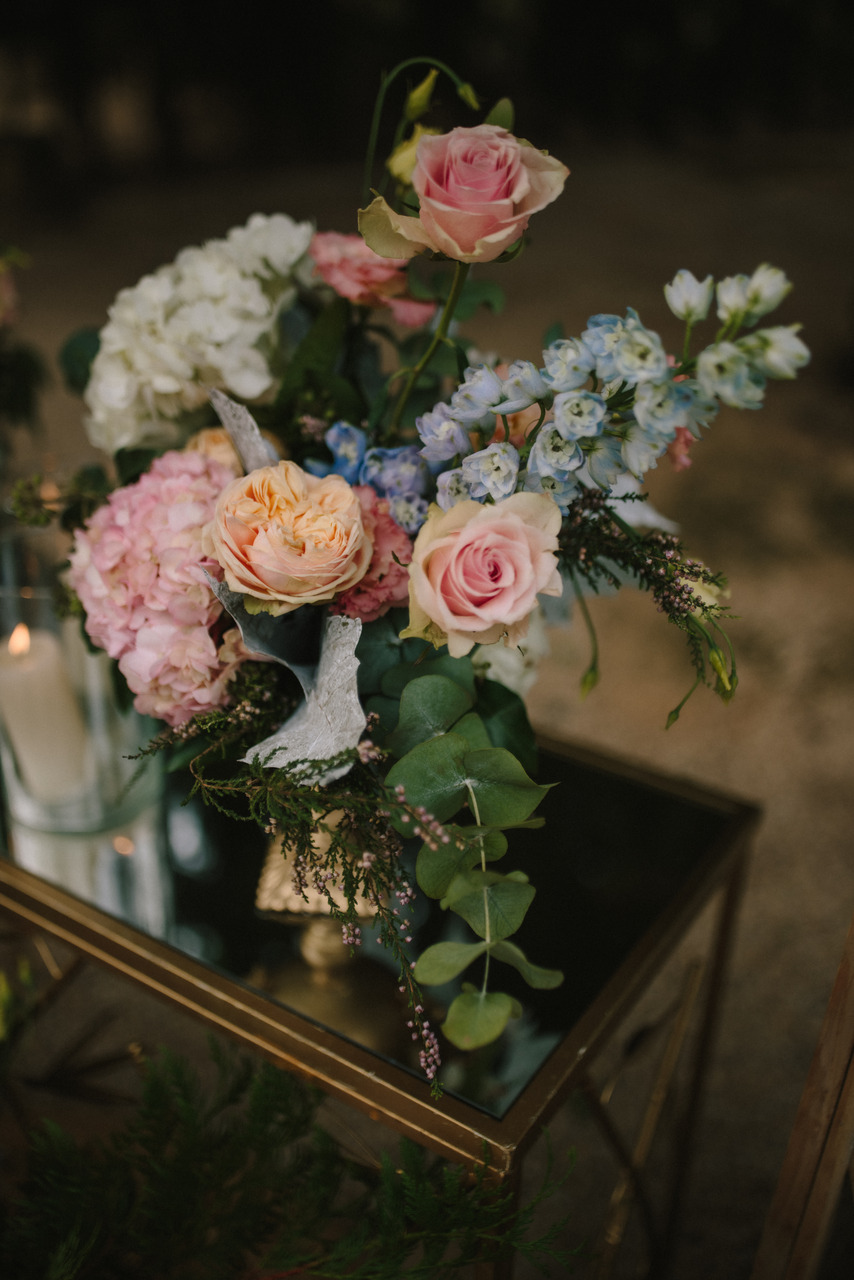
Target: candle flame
(19, 641)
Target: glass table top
(617, 850)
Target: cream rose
(477, 187)
(286, 538)
(477, 569)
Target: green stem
(385, 85)
(591, 675)
(461, 270)
(686, 349)
(674, 714)
(488, 938)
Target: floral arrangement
(332, 599)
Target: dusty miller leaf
(331, 719)
(293, 639)
(252, 449)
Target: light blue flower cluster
(611, 401)
(401, 474)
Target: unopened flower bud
(689, 298)
(418, 100)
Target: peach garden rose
(477, 570)
(285, 538)
(478, 188)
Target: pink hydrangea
(386, 582)
(354, 271)
(139, 572)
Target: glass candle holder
(79, 809)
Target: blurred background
(103, 89)
(707, 135)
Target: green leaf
(438, 774)
(429, 706)
(493, 905)
(314, 364)
(444, 960)
(534, 975)
(503, 114)
(131, 463)
(436, 868)
(460, 670)
(380, 649)
(476, 1018)
(472, 728)
(433, 775)
(388, 710)
(503, 712)
(479, 293)
(76, 356)
(504, 793)
(554, 333)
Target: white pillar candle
(42, 719)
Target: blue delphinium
(451, 488)
(476, 395)
(579, 413)
(569, 362)
(638, 354)
(601, 336)
(522, 387)
(663, 406)
(347, 445)
(398, 472)
(409, 510)
(603, 460)
(443, 436)
(641, 446)
(562, 489)
(726, 371)
(777, 352)
(492, 472)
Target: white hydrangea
(197, 323)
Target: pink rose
(478, 188)
(354, 271)
(476, 571)
(386, 582)
(286, 538)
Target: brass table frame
(385, 1092)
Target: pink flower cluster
(386, 582)
(139, 572)
(354, 271)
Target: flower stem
(379, 105)
(591, 676)
(461, 270)
(487, 930)
(686, 349)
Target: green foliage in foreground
(239, 1181)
